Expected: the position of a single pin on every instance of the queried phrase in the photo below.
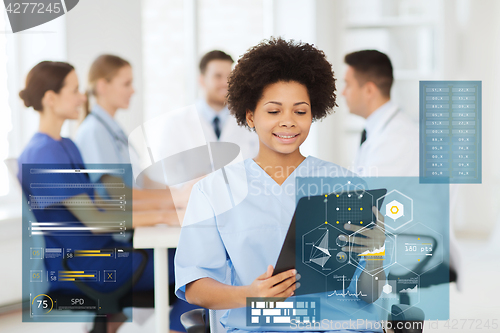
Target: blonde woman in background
(102, 140)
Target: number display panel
(450, 132)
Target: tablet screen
(316, 236)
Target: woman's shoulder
(43, 149)
(70, 144)
(89, 128)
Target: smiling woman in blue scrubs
(278, 88)
(102, 140)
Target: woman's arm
(211, 294)
(144, 199)
(139, 218)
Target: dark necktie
(217, 127)
(363, 137)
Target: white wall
(306, 22)
(476, 36)
(25, 50)
(95, 27)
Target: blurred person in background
(218, 124)
(389, 142)
(102, 140)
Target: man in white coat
(183, 134)
(218, 124)
(389, 145)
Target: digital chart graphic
(414, 218)
(68, 272)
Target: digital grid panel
(450, 132)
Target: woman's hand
(280, 285)
(374, 238)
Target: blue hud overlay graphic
(75, 269)
(272, 311)
(405, 256)
(450, 132)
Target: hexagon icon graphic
(420, 249)
(387, 288)
(394, 209)
(397, 208)
(322, 251)
(405, 282)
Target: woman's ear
(48, 99)
(249, 117)
(100, 86)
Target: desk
(160, 238)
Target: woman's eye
(273, 112)
(301, 112)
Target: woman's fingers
(360, 241)
(267, 274)
(283, 285)
(355, 249)
(285, 289)
(281, 277)
(352, 227)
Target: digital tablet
(317, 230)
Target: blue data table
(450, 132)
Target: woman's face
(283, 117)
(67, 103)
(119, 90)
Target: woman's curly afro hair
(279, 60)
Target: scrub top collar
(209, 114)
(257, 171)
(109, 121)
(378, 119)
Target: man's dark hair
(279, 60)
(373, 66)
(213, 55)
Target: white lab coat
(392, 147)
(183, 130)
(247, 140)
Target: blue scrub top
(234, 242)
(43, 149)
(63, 153)
(101, 140)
